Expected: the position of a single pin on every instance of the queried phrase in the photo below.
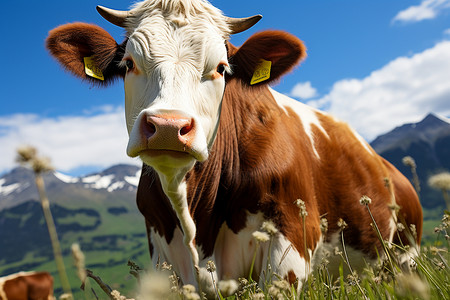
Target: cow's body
(222, 156)
(261, 162)
(27, 286)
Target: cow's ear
(283, 50)
(87, 49)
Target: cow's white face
(173, 90)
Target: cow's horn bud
(117, 17)
(241, 24)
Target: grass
(427, 276)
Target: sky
(374, 64)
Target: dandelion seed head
(282, 285)
(258, 296)
(409, 161)
(25, 154)
(273, 291)
(243, 281)
(189, 292)
(440, 181)
(269, 227)
(188, 288)
(41, 165)
(154, 286)
(365, 200)
(261, 236)
(301, 204)
(173, 279)
(210, 266)
(166, 267)
(342, 224)
(228, 287)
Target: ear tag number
(262, 72)
(91, 69)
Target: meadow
(426, 276)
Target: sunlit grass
(425, 276)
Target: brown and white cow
(27, 286)
(221, 156)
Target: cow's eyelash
(225, 66)
(127, 62)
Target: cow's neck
(235, 178)
(239, 176)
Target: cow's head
(174, 61)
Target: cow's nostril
(186, 129)
(150, 126)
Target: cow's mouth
(156, 153)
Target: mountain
(18, 186)
(97, 211)
(428, 142)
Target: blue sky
(375, 64)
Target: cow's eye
(220, 69)
(129, 64)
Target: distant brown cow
(27, 286)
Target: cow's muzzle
(164, 134)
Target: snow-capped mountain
(118, 177)
(18, 186)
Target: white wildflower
(409, 161)
(228, 287)
(261, 236)
(269, 227)
(342, 224)
(301, 204)
(440, 181)
(365, 200)
(210, 266)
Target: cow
(223, 152)
(27, 286)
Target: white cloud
(71, 141)
(303, 90)
(427, 9)
(404, 90)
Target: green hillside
(108, 233)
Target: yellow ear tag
(91, 69)
(262, 72)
